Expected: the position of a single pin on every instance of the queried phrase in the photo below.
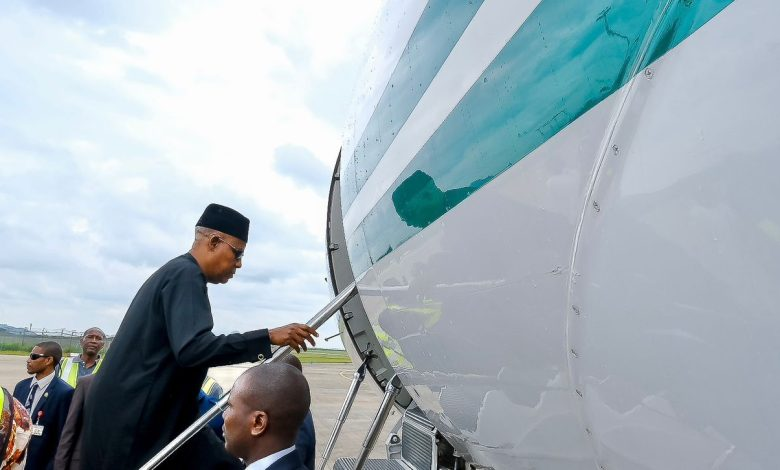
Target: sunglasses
(36, 356)
(236, 252)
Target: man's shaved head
(292, 360)
(92, 342)
(279, 390)
(266, 407)
(95, 330)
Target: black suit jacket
(68, 455)
(306, 442)
(291, 461)
(146, 392)
(54, 403)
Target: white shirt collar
(42, 383)
(269, 460)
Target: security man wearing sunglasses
(47, 399)
(146, 391)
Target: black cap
(225, 220)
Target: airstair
(415, 448)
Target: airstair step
(348, 463)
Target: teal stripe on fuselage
(438, 29)
(567, 57)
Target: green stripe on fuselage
(438, 29)
(567, 57)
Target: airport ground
(329, 384)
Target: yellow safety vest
(207, 384)
(211, 388)
(69, 369)
(99, 363)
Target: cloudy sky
(120, 121)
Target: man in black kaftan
(147, 389)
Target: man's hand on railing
(294, 335)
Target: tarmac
(328, 383)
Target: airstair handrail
(357, 379)
(391, 391)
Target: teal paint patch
(566, 58)
(438, 29)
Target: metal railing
(391, 391)
(23, 339)
(357, 379)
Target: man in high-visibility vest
(88, 361)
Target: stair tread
(348, 463)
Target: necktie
(31, 397)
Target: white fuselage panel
(608, 299)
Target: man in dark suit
(68, 455)
(146, 391)
(47, 398)
(266, 408)
(209, 452)
(306, 442)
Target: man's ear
(213, 242)
(259, 423)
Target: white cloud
(117, 130)
(79, 226)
